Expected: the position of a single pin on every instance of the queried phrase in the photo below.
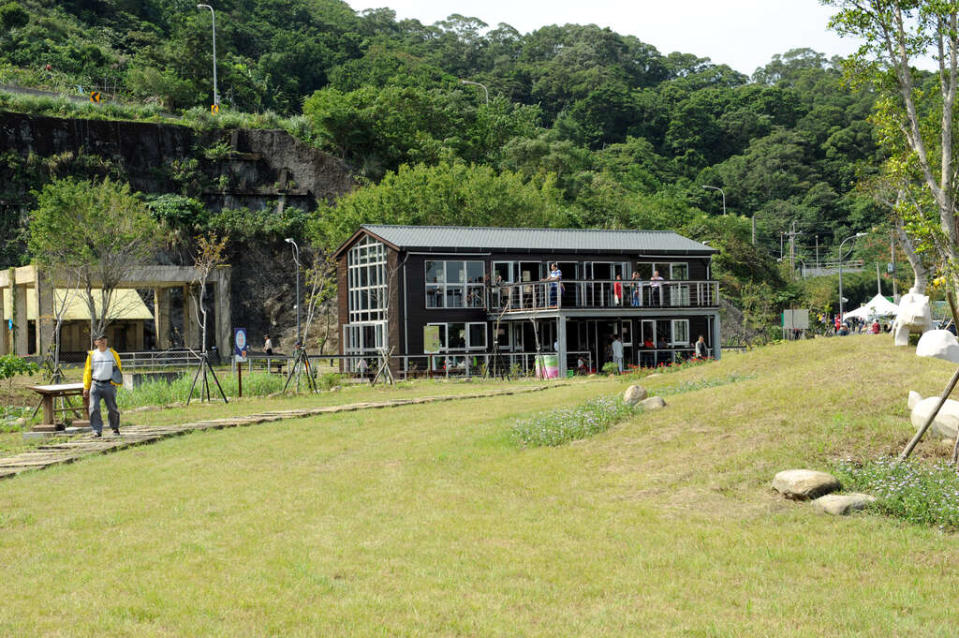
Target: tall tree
(93, 233)
(895, 34)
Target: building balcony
(594, 295)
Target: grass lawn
(428, 520)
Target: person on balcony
(656, 288)
(637, 286)
(618, 291)
(555, 276)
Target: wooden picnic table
(49, 394)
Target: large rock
(652, 403)
(946, 423)
(634, 394)
(801, 485)
(842, 504)
(940, 344)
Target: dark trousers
(106, 391)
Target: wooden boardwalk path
(67, 452)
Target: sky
(744, 34)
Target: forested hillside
(583, 126)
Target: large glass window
(462, 336)
(366, 297)
(455, 284)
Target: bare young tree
(320, 297)
(210, 252)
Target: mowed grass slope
(428, 520)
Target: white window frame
(444, 287)
(672, 331)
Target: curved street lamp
(483, 86)
(716, 188)
(296, 260)
(841, 313)
(216, 95)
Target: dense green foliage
(583, 127)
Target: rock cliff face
(227, 169)
(234, 169)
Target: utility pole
(878, 280)
(792, 248)
(817, 252)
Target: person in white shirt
(98, 384)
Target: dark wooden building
(466, 293)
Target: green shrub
(610, 368)
(927, 494)
(12, 366)
(569, 424)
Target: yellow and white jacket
(88, 368)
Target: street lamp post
(716, 188)
(216, 94)
(483, 86)
(841, 313)
(296, 260)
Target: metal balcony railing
(596, 294)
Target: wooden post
(239, 379)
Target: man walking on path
(98, 384)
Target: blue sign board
(240, 343)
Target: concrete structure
(19, 285)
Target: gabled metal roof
(437, 238)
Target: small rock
(634, 394)
(654, 375)
(842, 504)
(801, 485)
(21, 421)
(652, 403)
(336, 388)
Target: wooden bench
(49, 394)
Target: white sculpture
(940, 344)
(914, 316)
(946, 422)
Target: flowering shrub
(569, 424)
(927, 494)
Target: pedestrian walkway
(68, 452)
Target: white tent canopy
(878, 306)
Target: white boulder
(940, 344)
(914, 316)
(946, 423)
(801, 485)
